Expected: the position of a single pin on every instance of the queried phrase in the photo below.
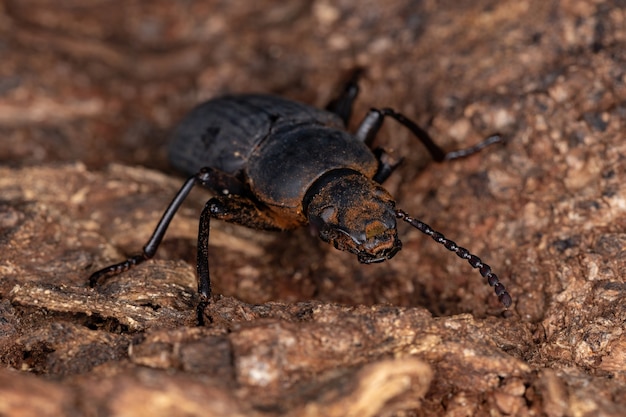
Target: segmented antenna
(474, 261)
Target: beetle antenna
(474, 261)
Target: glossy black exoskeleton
(275, 164)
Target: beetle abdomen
(222, 133)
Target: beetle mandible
(276, 164)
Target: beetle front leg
(373, 121)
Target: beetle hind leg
(342, 105)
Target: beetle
(277, 164)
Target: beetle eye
(327, 213)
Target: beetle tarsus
(473, 260)
(202, 305)
(116, 269)
(462, 153)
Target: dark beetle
(275, 164)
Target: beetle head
(355, 214)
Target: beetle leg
(370, 126)
(342, 105)
(231, 206)
(240, 210)
(386, 165)
(210, 178)
(149, 250)
(232, 209)
(202, 263)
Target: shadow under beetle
(276, 164)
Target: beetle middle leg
(342, 105)
(150, 248)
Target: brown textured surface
(88, 92)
